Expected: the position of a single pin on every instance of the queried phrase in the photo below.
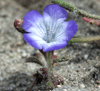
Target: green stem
(83, 39)
(74, 9)
(48, 59)
(50, 70)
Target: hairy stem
(50, 70)
(84, 39)
(74, 9)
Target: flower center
(49, 35)
(53, 30)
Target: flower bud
(18, 25)
(92, 21)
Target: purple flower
(48, 32)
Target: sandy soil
(80, 68)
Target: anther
(52, 30)
(48, 29)
(49, 39)
(49, 33)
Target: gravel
(80, 68)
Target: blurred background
(81, 60)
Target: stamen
(49, 39)
(44, 33)
(49, 33)
(52, 30)
(48, 29)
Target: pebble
(59, 86)
(98, 81)
(2, 51)
(19, 50)
(1, 78)
(64, 90)
(85, 56)
(82, 86)
(24, 54)
(85, 44)
(11, 55)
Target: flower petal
(71, 29)
(60, 32)
(50, 25)
(54, 46)
(55, 11)
(31, 19)
(35, 41)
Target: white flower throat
(52, 30)
(50, 34)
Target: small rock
(19, 50)
(24, 54)
(64, 90)
(59, 86)
(98, 82)
(99, 86)
(85, 44)
(82, 86)
(2, 51)
(85, 56)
